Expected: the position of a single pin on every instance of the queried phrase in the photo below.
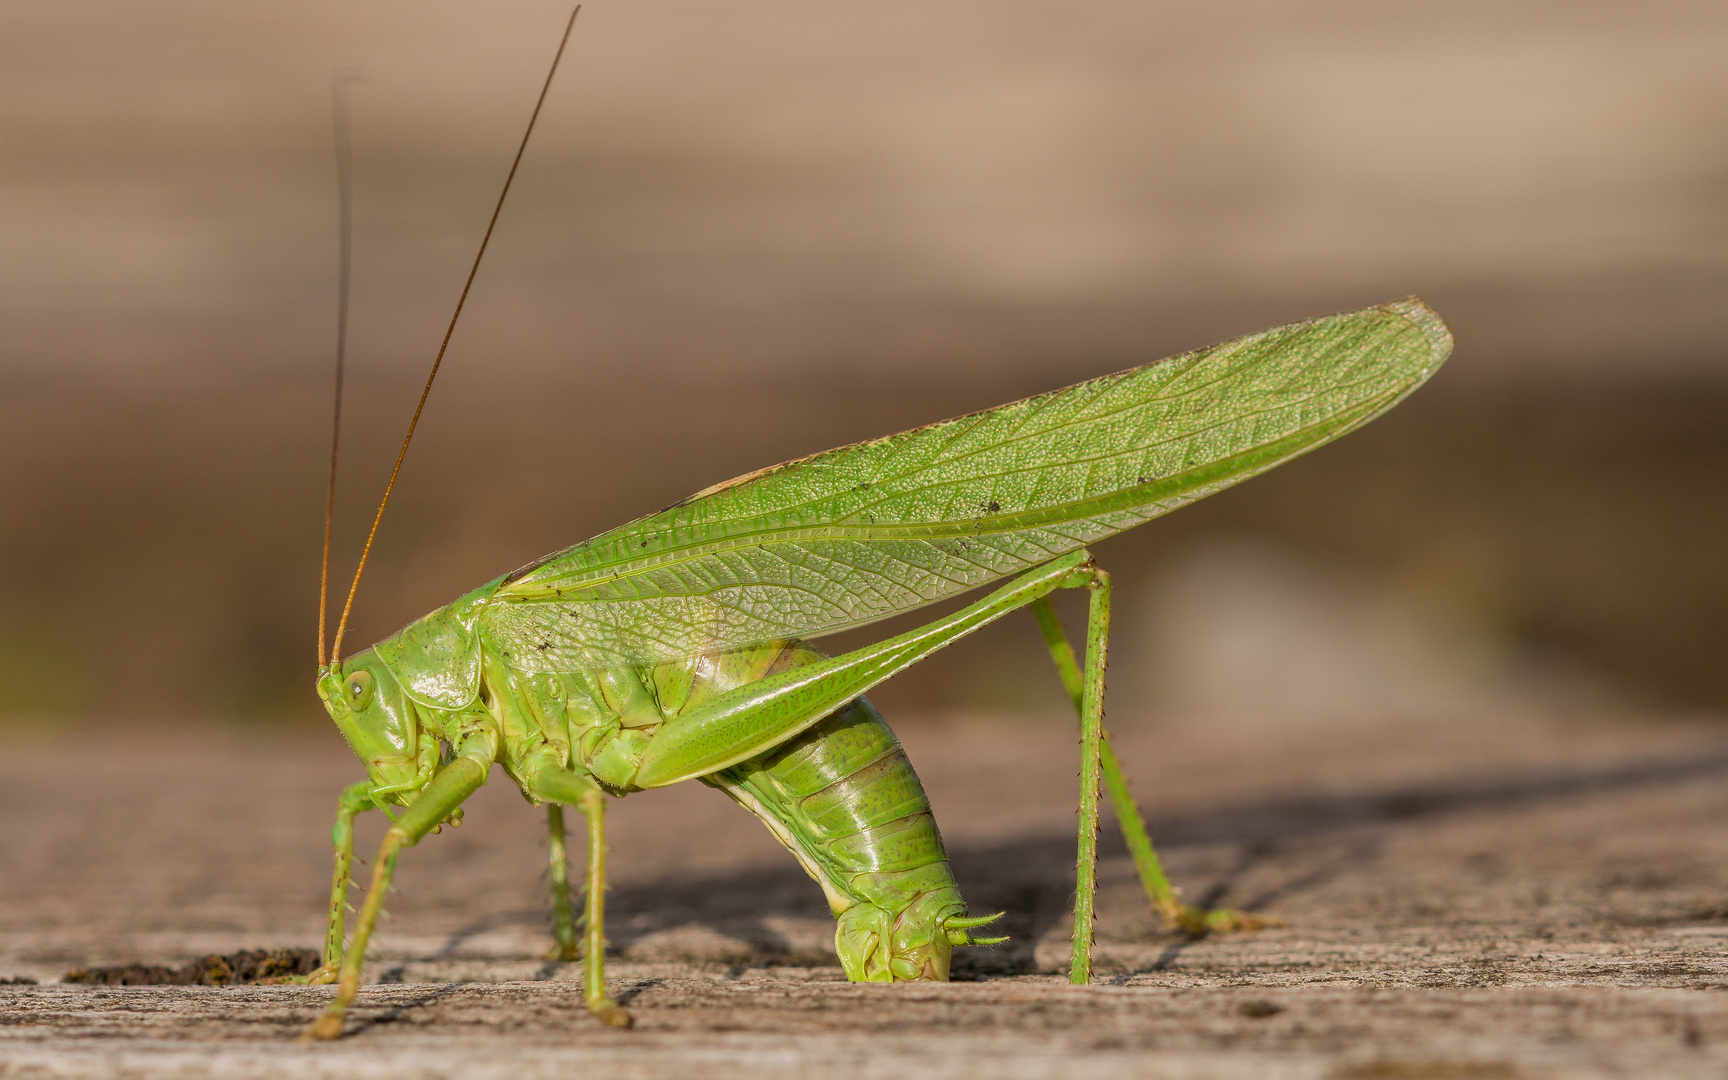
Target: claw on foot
(324, 976)
(611, 1013)
(323, 1029)
(1198, 922)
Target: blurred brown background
(749, 230)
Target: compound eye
(358, 688)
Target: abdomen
(844, 798)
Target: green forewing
(863, 532)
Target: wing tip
(1415, 310)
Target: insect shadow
(403, 1008)
(1030, 875)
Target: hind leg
(1164, 897)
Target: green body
(668, 649)
(842, 796)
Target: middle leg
(563, 912)
(594, 937)
(559, 785)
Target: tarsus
(347, 606)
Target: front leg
(436, 803)
(354, 799)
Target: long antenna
(344, 261)
(348, 605)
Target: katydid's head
(374, 715)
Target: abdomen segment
(843, 797)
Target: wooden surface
(1480, 897)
